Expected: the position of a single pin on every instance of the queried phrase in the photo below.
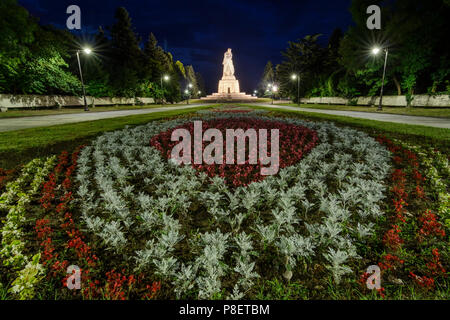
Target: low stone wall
(393, 101)
(36, 101)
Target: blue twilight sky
(199, 32)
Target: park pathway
(11, 124)
(386, 117)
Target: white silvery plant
(307, 206)
(184, 279)
(247, 273)
(294, 247)
(236, 294)
(113, 236)
(244, 242)
(364, 230)
(94, 224)
(166, 267)
(268, 233)
(170, 239)
(337, 258)
(251, 199)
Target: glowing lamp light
(376, 50)
(87, 50)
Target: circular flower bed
(204, 237)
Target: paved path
(387, 117)
(11, 124)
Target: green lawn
(18, 147)
(426, 112)
(431, 136)
(45, 112)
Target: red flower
(424, 282)
(430, 225)
(295, 142)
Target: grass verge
(29, 112)
(441, 112)
(18, 147)
(428, 136)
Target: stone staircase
(229, 97)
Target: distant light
(376, 50)
(87, 50)
(190, 85)
(199, 92)
(275, 89)
(166, 78)
(186, 91)
(294, 76)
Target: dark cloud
(198, 32)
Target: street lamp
(86, 51)
(376, 51)
(294, 77)
(274, 90)
(187, 92)
(166, 78)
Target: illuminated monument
(228, 85)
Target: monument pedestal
(228, 85)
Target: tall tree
(200, 84)
(17, 29)
(414, 32)
(46, 72)
(192, 81)
(154, 58)
(96, 66)
(305, 58)
(126, 69)
(268, 77)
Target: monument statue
(228, 86)
(228, 67)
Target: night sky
(199, 32)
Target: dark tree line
(414, 31)
(36, 59)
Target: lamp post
(294, 76)
(274, 90)
(86, 51)
(188, 93)
(166, 78)
(375, 51)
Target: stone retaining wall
(36, 101)
(393, 101)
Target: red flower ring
(295, 142)
(232, 111)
